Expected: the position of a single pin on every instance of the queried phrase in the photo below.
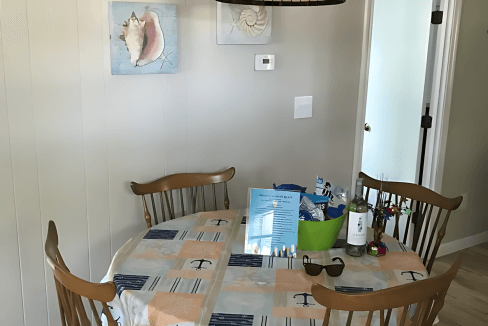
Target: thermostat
(264, 62)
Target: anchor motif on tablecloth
(116, 320)
(413, 277)
(199, 267)
(305, 295)
(219, 220)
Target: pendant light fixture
(285, 3)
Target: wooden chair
(423, 202)
(192, 181)
(428, 294)
(71, 289)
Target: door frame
(441, 92)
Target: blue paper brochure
(272, 226)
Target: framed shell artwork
(143, 38)
(243, 24)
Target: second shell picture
(243, 24)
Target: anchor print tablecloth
(193, 271)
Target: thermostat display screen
(265, 61)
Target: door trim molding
(445, 94)
(363, 92)
(445, 64)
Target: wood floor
(467, 299)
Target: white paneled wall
(72, 136)
(9, 250)
(22, 126)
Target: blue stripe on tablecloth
(161, 234)
(183, 235)
(175, 284)
(352, 289)
(219, 319)
(154, 283)
(129, 282)
(402, 246)
(200, 236)
(196, 285)
(246, 260)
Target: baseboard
(460, 244)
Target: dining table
(192, 270)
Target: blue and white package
(319, 186)
(290, 187)
(324, 188)
(313, 207)
(336, 208)
(309, 211)
(334, 212)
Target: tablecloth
(193, 271)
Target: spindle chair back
(189, 186)
(428, 294)
(424, 204)
(71, 289)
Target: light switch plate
(303, 107)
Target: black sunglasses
(315, 269)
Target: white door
(396, 87)
(401, 66)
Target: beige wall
(466, 164)
(72, 136)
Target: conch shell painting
(243, 24)
(143, 38)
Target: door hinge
(426, 121)
(437, 17)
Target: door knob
(367, 127)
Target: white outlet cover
(303, 107)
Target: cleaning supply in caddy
(337, 207)
(323, 188)
(313, 207)
(338, 197)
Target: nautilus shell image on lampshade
(143, 38)
(243, 24)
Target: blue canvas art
(143, 38)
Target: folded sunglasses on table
(315, 269)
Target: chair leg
(327, 317)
